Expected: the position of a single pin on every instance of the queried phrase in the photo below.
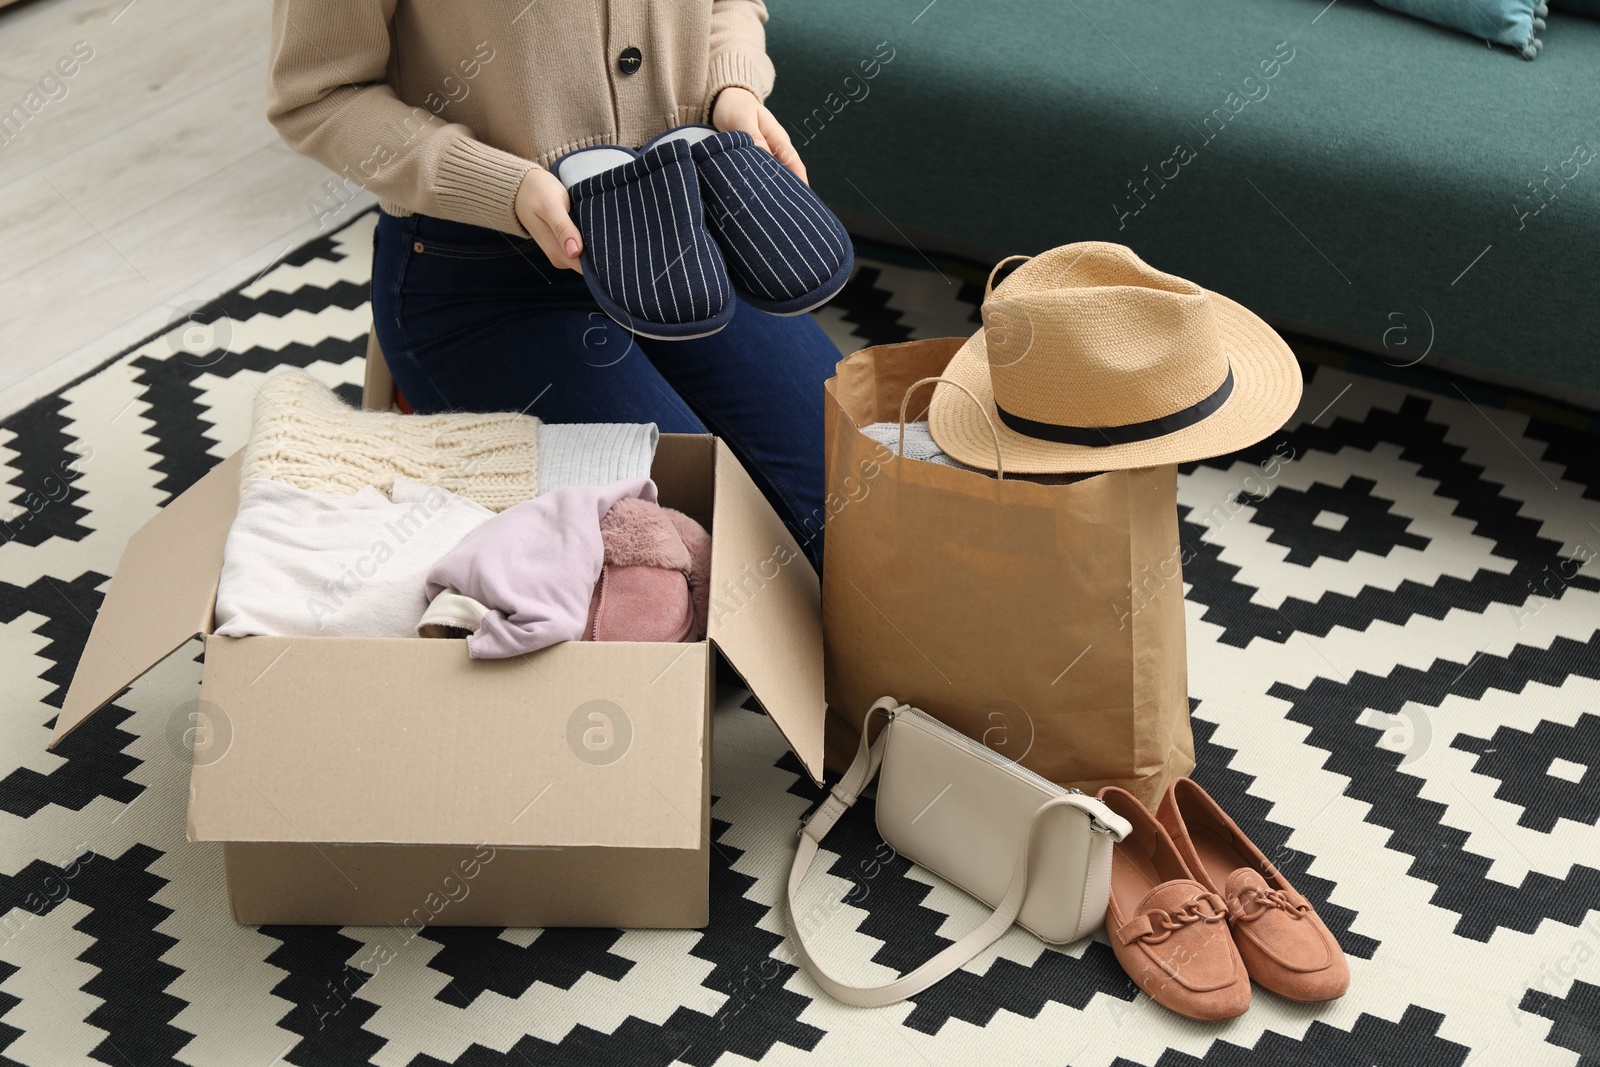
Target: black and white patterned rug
(1394, 645)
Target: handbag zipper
(984, 752)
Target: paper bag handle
(999, 460)
(988, 286)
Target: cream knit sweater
(442, 106)
(303, 434)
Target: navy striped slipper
(786, 252)
(648, 259)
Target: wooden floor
(151, 183)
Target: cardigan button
(630, 59)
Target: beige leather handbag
(1038, 854)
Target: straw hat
(1091, 360)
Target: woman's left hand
(739, 109)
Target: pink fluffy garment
(655, 585)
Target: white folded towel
(305, 564)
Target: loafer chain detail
(1251, 903)
(1156, 925)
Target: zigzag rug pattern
(1394, 631)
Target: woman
(451, 114)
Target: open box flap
(160, 596)
(766, 610)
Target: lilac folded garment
(533, 567)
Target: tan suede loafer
(1167, 930)
(1283, 941)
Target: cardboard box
(396, 781)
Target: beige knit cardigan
(442, 106)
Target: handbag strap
(840, 799)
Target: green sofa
(1342, 170)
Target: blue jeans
(472, 319)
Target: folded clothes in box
(304, 435)
(346, 527)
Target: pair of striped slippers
(673, 231)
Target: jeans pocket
(459, 240)
(513, 247)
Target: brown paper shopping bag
(1045, 621)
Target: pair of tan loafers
(1197, 911)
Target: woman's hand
(740, 109)
(544, 209)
